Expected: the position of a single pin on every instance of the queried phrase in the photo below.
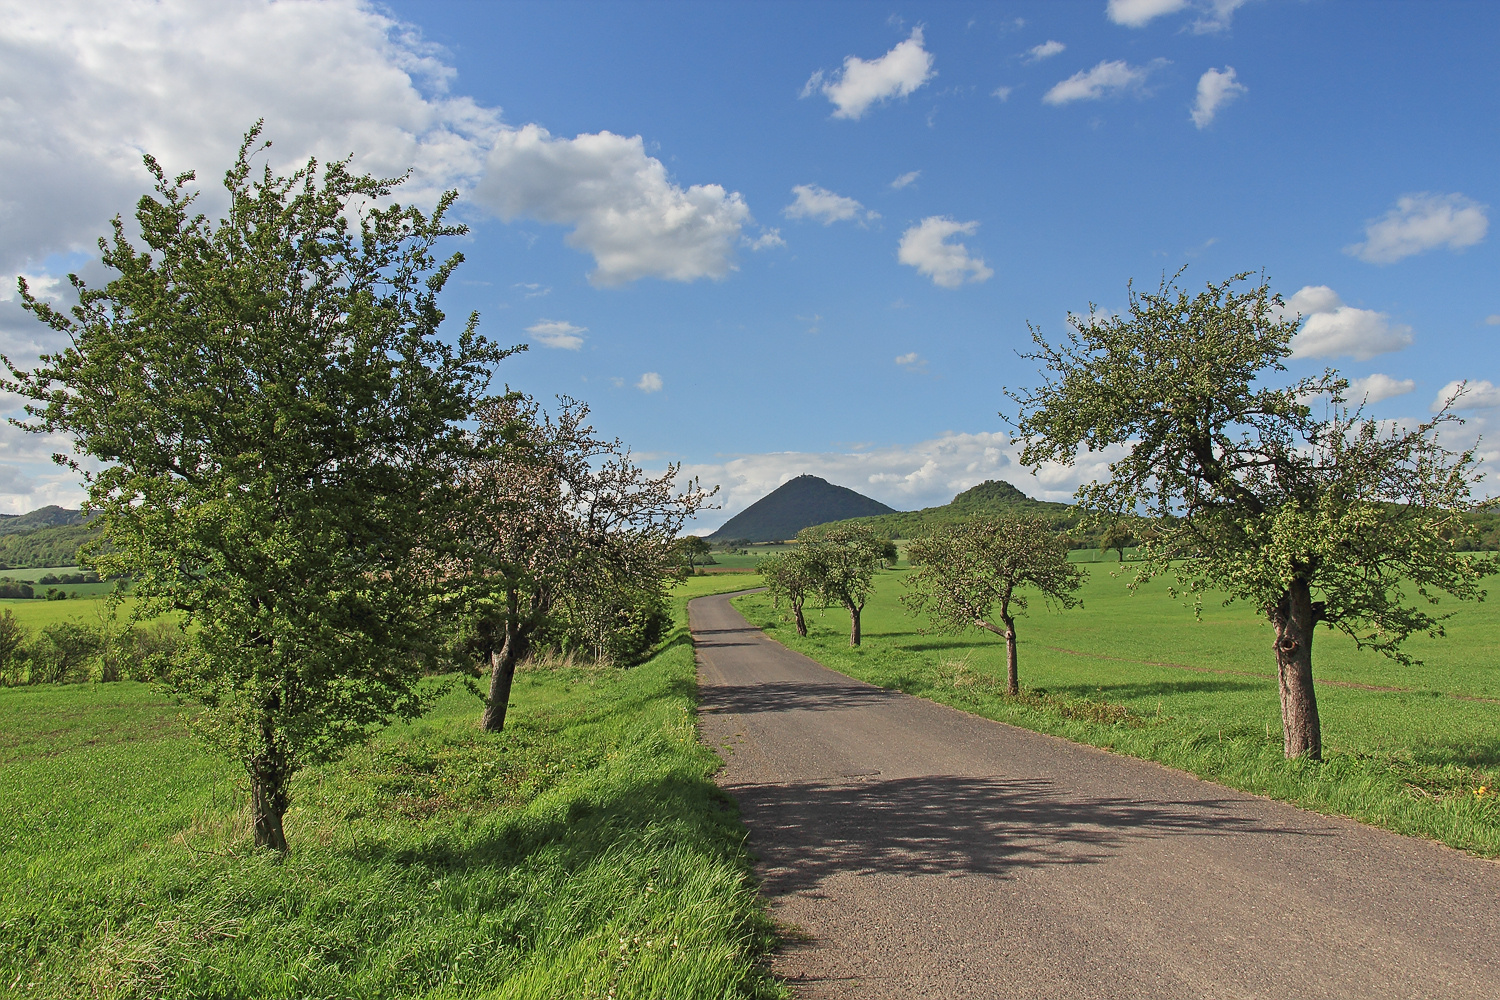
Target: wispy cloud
(1216, 88)
(905, 179)
(821, 205)
(1422, 222)
(1046, 50)
(1107, 79)
(863, 83)
(1376, 387)
(649, 382)
(912, 362)
(1213, 15)
(1002, 92)
(558, 333)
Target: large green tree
(1280, 495)
(841, 560)
(276, 418)
(970, 573)
(789, 577)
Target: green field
(584, 852)
(1138, 675)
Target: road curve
(931, 853)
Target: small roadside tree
(967, 572)
(788, 577)
(553, 518)
(276, 415)
(841, 561)
(694, 548)
(1335, 518)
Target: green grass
(1138, 675)
(584, 852)
(39, 614)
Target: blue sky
(769, 238)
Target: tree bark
(853, 625)
(1012, 670)
(270, 773)
(502, 673)
(1294, 619)
(801, 622)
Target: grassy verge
(584, 852)
(1416, 750)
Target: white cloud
(88, 87)
(1002, 92)
(925, 247)
(532, 290)
(1331, 329)
(623, 207)
(1422, 222)
(1046, 50)
(822, 205)
(865, 82)
(1214, 15)
(905, 179)
(649, 382)
(558, 333)
(912, 362)
(924, 474)
(1477, 395)
(1138, 13)
(767, 239)
(1492, 320)
(1374, 388)
(1215, 89)
(1104, 80)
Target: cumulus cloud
(1107, 79)
(1467, 395)
(91, 86)
(1213, 15)
(1046, 50)
(1422, 222)
(1216, 88)
(1374, 388)
(1002, 92)
(623, 207)
(822, 205)
(649, 382)
(905, 179)
(912, 362)
(768, 239)
(863, 83)
(1331, 329)
(906, 476)
(926, 247)
(1138, 13)
(558, 333)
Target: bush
(63, 652)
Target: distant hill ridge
(989, 497)
(799, 503)
(49, 536)
(44, 517)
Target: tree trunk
(270, 773)
(1294, 619)
(801, 622)
(502, 673)
(853, 625)
(1012, 671)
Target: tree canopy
(1283, 496)
(965, 573)
(276, 416)
(841, 561)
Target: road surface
(925, 852)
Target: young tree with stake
(1245, 489)
(276, 417)
(966, 572)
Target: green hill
(46, 537)
(990, 497)
(792, 506)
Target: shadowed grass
(584, 852)
(1139, 675)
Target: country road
(930, 853)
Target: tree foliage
(789, 577)
(841, 561)
(556, 527)
(969, 574)
(276, 416)
(1282, 496)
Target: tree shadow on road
(808, 832)
(787, 696)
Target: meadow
(583, 852)
(1413, 749)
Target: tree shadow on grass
(1155, 689)
(948, 825)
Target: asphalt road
(930, 853)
